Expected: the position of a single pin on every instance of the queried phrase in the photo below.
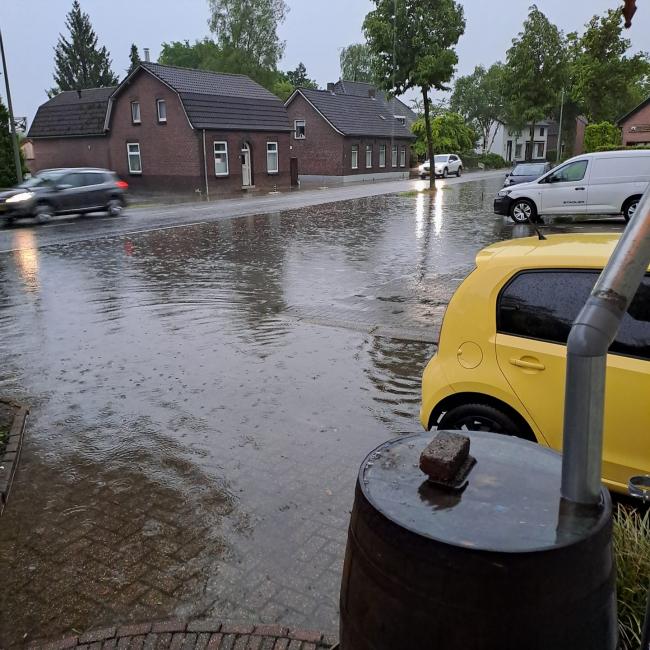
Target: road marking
(137, 232)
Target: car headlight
(503, 192)
(19, 198)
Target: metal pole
(559, 135)
(591, 335)
(14, 139)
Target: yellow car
(501, 358)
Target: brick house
(348, 132)
(171, 129)
(635, 126)
(69, 130)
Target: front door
(293, 168)
(246, 174)
(565, 190)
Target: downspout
(591, 335)
(205, 170)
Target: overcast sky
(314, 31)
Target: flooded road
(201, 398)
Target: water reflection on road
(201, 398)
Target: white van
(605, 183)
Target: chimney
(372, 93)
(330, 87)
(147, 57)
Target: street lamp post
(559, 135)
(12, 124)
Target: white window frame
(221, 152)
(133, 119)
(402, 157)
(295, 130)
(354, 157)
(369, 151)
(382, 155)
(161, 120)
(394, 155)
(542, 131)
(537, 146)
(277, 158)
(129, 153)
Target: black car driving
(526, 172)
(64, 191)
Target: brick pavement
(195, 635)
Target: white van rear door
(614, 180)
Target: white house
(513, 145)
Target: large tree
(208, 55)
(134, 58)
(606, 82)
(413, 42)
(79, 62)
(357, 63)
(249, 28)
(298, 78)
(478, 97)
(449, 132)
(535, 73)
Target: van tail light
(123, 185)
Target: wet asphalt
(202, 393)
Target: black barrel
(502, 565)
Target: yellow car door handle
(528, 365)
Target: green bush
(602, 134)
(470, 159)
(632, 551)
(492, 161)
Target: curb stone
(11, 455)
(215, 635)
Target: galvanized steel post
(591, 335)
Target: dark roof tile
(72, 114)
(355, 115)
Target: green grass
(632, 550)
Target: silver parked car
(444, 165)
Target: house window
(355, 156)
(382, 155)
(393, 156)
(161, 107)
(221, 159)
(272, 157)
(133, 153)
(518, 151)
(299, 129)
(401, 119)
(542, 130)
(539, 150)
(135, 112)
(402, 157)
(368, 156)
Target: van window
(572, 172)
(543, 304)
